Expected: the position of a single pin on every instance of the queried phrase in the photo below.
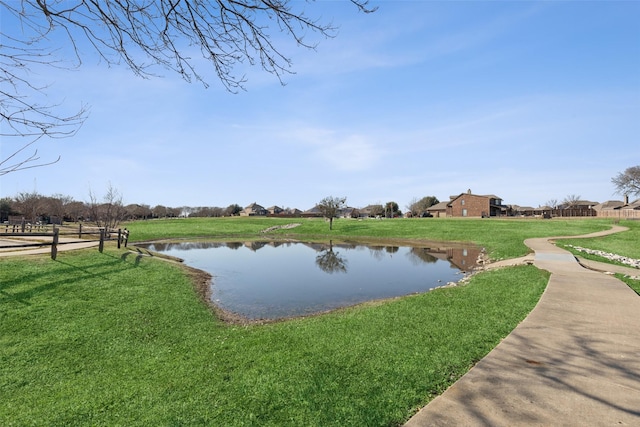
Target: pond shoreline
(203, 280)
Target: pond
(275, 279)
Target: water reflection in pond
(271, 280)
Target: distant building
(618, 209)
(438, 210)
(275, 210)
(371, 211)
(630, 210)
(348, 212)
(292, 211)
(474, 205)
(314, 211)
(609, 209)
(254, 209)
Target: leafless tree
(552, 203)
(110, 212)
(419, 207)
(137, 211)
(628, 182)
(30, 205)
(24, 119)
(329, 207)
(174, 212)
(76, 211)
(57, 205)
(160, 211)
(571, 200)
(145, 36)
(412, 207)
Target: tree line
(109, 210)
(105, 211)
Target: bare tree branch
(6, 165)
(144, 35)
(628, 182)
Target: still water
(272, 280)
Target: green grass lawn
(115, 339)
(503, 238)
(121, 339)
(627, 243)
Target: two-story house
(474, 205)
(253, 209)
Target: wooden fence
(620, 213)
(49, 235)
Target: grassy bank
(627, 243)
(503, 238)
(115, 339)
(120, 339)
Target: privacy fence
(24, 235)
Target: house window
(464, 212)
(462, 202)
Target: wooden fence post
(119, 237)
(101, 245)
(126, 237)
(80, 231)
(54, 244)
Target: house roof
(609, 204)
(314, 210)
(442, 206)
(580, 203)
(522, 208)
(469, 193)
(367, 209)
(348, 210)
(635, 205)
(253, 207)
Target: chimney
(626, 199)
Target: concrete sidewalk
(574, 361)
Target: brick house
(275, 210)
(253, 209)
(474, 205)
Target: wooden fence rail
(100, 234)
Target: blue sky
(530, 101)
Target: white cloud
(352, 154)
(343, 151)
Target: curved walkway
(574, 361)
